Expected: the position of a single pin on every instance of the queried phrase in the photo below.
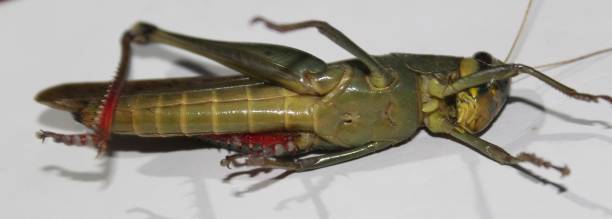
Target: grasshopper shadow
(59, 120)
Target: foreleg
(438, 124)
(508, 71)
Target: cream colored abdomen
(239, 109)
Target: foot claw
(539, 162)
(225, 163)
(257, 20)
(41, 135)
(591, 98)
(232, 160)
(565, 171)
(605, 97)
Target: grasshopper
(289, 103)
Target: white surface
(44, 43)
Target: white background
(44, 43)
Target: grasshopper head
(478, 106)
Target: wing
(73, 97)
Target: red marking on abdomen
(268, 144)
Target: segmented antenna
(572, 60)
(547, 66)
(520, 33)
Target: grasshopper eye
(484, 58)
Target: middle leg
(255, 146)
(379, 77)
(316, 162)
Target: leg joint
(141, 32)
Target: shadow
(314, 193)
(482, 204)
(196, 68)
(263, 184)
(104, 175)
(251, 173)
(194, 166)
(148, 213)
(59, 120)
(155, 145)
(533, 136)
(585, 203)
(565, 117)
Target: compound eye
(484, 58)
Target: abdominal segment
(241, 109)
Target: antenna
(520, 32)
(572, 60)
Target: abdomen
(237, 109)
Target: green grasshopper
(290, 103)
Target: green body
(356, 107)
(286, 90)
(349, 115)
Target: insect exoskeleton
(289, 103)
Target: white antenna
(572, 60)
(520, 33)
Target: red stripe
(114, 90)
(264, 140)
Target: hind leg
(104, 117)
